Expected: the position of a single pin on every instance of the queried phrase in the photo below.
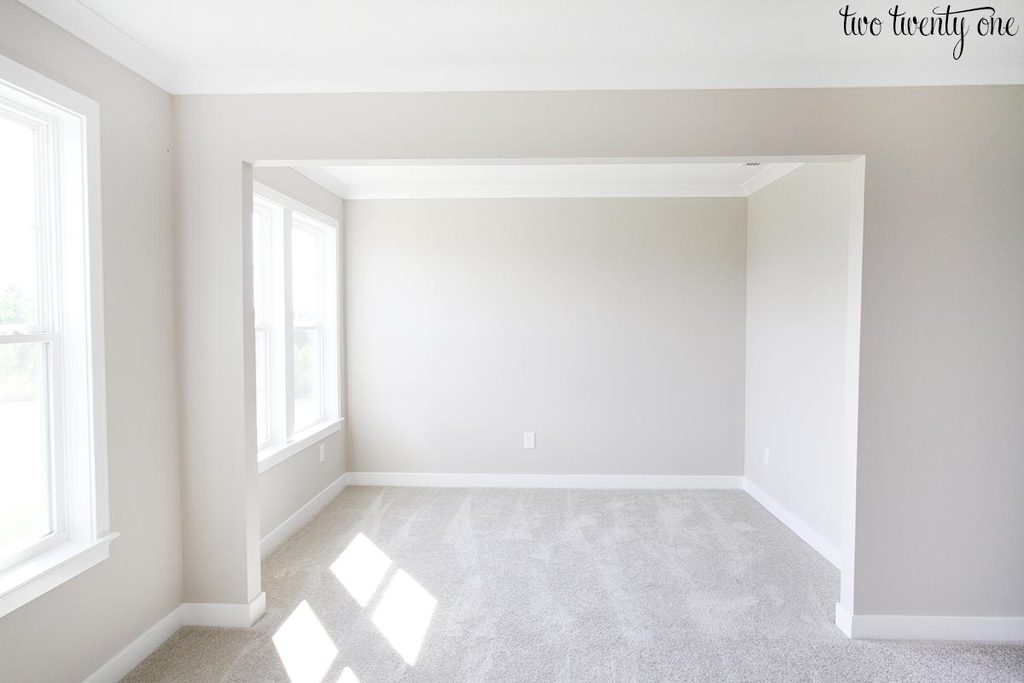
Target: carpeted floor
(446, 585)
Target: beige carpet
(550, 585)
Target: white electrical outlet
(767, 456)
(529, 440)
(323, 451)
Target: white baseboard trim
(224, 615)
(212, 614)
(302, 516)
(795, 524)
(186, 614)
(906, 627)
(545, 481)
(844, 620)
(118, 666)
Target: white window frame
(71, 325)
(284, 441)
(273, 213)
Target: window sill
(28, 580)
(275, 455)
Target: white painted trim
(795, 524)
(513, 191)
(771, 172)
(910, 627)
(844, 620)
(83, 22)
(851, 384)
(766, 177)
(301, 441)
(302, 516)
(118, 666)
(502, 78)
(545, 481)
(94, 29)
(224, 615)
(555, 161)
(320, 176)
(38, 86)
(28, 580)
(186, 614)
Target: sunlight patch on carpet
(403, 615)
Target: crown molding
(769, 175)
(78, 19)
(322, 177)
(87, 25)
(420, 78)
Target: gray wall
(612, 328)
(798, 249)
(290, 484)
(938, 468)
(70, 631)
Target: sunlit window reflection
(360, 568)
(403, 615)
(305, 648)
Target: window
(53, 489)
(295, 302)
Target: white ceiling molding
(79, 20)
(222, 47)
(539, 180)
(768, 175)
(415, 78)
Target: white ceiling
(193, 46)
(553, 178)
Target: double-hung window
(295, 301)
(53, 487)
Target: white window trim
(267, 327)
(300, 442)
(89, 536)
(275, 453)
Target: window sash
(48, 393)
(304, 225)
(45, 329)
(319, 379)
(297, 222)
(46, 216)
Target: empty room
(347, 342)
